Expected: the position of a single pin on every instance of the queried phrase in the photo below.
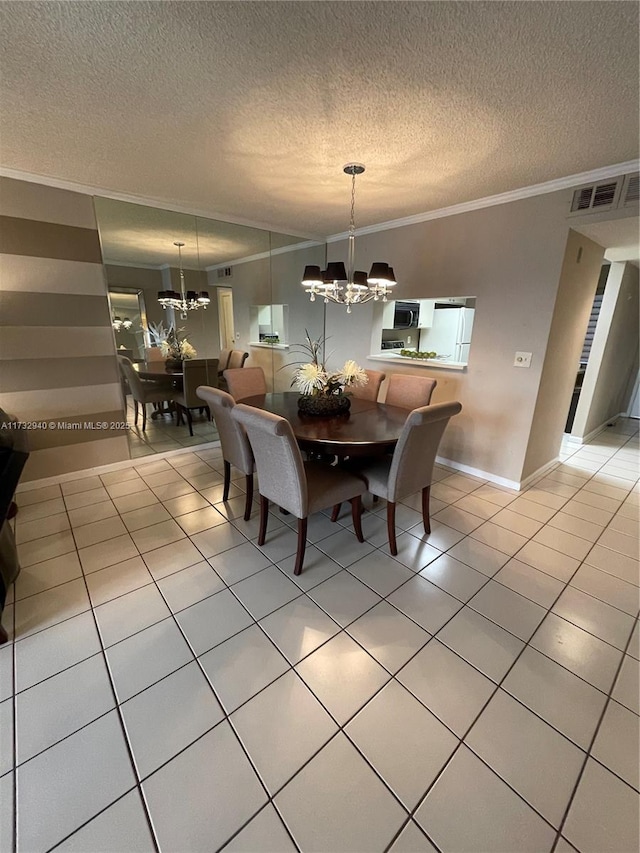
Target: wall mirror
(257, 305)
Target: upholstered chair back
(196, 372)
(237, 358)
(371, 390)
(245, 382)
(415, 454)
(131, 375)
(281, 474)
(223, 360)
(409, 392)
(233, 439)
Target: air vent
(225, 272)
(631, 190)
(595, 197)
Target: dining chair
(371, 390)
(195, 372)
(410, 468)
(143, 391)
(245, 382)
(223, 360)
(409, 392)
(298, 487)
(237, 359)
(153, 354)
(236, 449)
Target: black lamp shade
(192, 296)
(312, 275)
(360, 278)
(336, 271)
(203, 298)
(392, 276)
(379, 272)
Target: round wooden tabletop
(156, 370)
(367, 429)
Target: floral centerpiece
(171, 345)
(323, 392)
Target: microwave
(406, 315)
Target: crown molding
(148, 201)
(501, 198)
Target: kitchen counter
(393, 358)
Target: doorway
(225, 318)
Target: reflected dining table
(367, 429)
(159, 371)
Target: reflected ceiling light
(116, 322)
(346, 285)
(126, 324)
(186, 300)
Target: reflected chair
(223, 361)
(195, 372)
(411, 467)
(371, 390)
(153, 354)
(236, 449)
(298, 487)
(409, 392)
(143, 391)
(245, 382)
(237, 359)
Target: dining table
(160, 371)
(367, 429)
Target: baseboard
(585, 439)
(483, 475)
(539, 473)
(113, 466)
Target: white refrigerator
(450, 334)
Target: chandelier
(119, 323)
(348, 286)
(186, 300)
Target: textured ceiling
(249, 110)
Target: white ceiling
(248, 110)
(620, 237)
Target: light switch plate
(522, 359)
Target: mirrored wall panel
(184, 291)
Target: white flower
(352, 374)
(309, 377)
(186, 350)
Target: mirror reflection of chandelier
(185, 300)
(349, 286)
(118, 323)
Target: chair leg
(144, 416)
(391, 528)
(227, 480)
(249, 498)
(426, 492)
(376, 499)
(189, 421)
(135, 409)
(264, 514)
(356, 515)
(336, 512)
(302, 544)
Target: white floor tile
(188, 586)
(41, 509)
(98, 531)
(61, 705)
(506, 608)
(343, 547)
(6, 736)
(380, 572)
(548, 560)
(107, 553)
(604, 813)
(344, 598)
(613, 563)
(146, 657)
(412, 839)
(83, 499)
(342, 676)
(6, 812)
(483, 644)
(215, 778)
(123, 826)
(517, 523)
(425, 603)
(337, 803)
(42, 576)
(454, 577)
(299, 628)
(265, 591)
(109, 583)
(452, 689)
(617, 743)
(92, 513)
(214, 541)
(171, 558)
(167, 717)
(578, 651)
(533, 758)
(565, 701)
(45, 548)
(157, 535)
(6, 672)
(533, 584)
(265, 832)
(595, 616)
(60, 789)
(627, 688)
(405, 743)
(282, 727)
(479, 556)
(130, 613)
(388, 635)
(50, 607)
(145, 516)
(212, 621)
(242, 665)
(185, 504)
(498, 537)
(495, 818)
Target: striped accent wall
(57, 352)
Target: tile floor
(173, 687)
(162, 433)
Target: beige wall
(613, 360)
(509, 257)
(57, 351)
(578, 282)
